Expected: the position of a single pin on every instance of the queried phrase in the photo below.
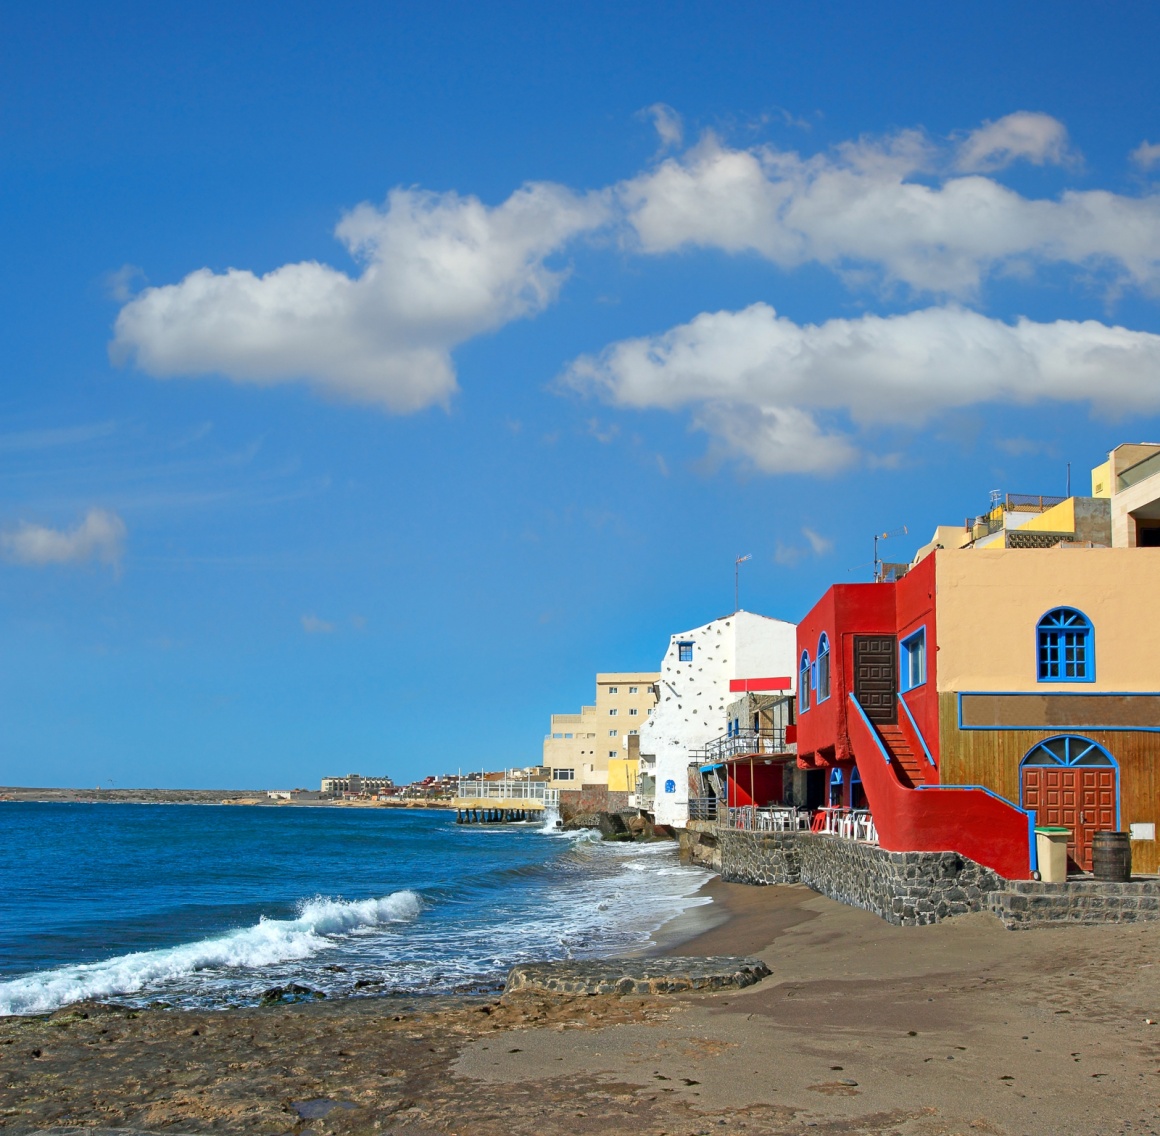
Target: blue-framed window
(823, 665)
(804, 682)
(684, 652)
(912, 657)
(1065, 644)
(837, 791)
(1068, 750)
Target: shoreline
(862, 1027)
(253, 798)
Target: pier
(502, 802)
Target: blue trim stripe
(1061, 694)
(873, 731)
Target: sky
(373, 375)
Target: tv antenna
(885, 536)
(737, 579)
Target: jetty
(503, 801)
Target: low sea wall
(910, 888)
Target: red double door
(1079, 798)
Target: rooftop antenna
(885, 536)
(737, 579)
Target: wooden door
(876, 676)
(1080, 798)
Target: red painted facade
(744, 685)
(753, 781)
(897, 762)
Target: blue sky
(373, 375)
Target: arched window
(823, 668)
(1068, 750)
(836, 793)
(804, 682)
(1066, 647)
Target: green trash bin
(1051, 848)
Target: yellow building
(592, 748)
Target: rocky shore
(861, 1027)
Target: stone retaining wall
(1025, 903)
(910, 888)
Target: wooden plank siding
(992, 757)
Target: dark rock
(635, 976)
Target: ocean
(210, 906)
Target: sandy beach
(962, 1027)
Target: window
(804, 682)
(567, 735)
(634, 731)
(633, 712)
(614, 690)
(1066, 647)
(913, 652)
(823, 665)
(1068, 750)
(563, 774)
(612, 733)
(612, 753)
(632, 690)
(557, 735)
(684, 652)
(612, 712)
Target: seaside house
(1005, 678)
(702, 671)
(588, 755)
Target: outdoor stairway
(911, 767)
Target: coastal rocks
(635, 976)
(295, 992)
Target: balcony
(744, 743)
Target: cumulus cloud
(791, 397)
(1146, 155)
(1036, 138)
(861, 206)
(436, 269)
(100, 537)
(312, 625)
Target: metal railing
(1030, 503)
(1139, 471)
(702, 808)
(509, 791)
(744, 742)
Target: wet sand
(862, 1028)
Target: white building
(694, 691)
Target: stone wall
(1025, 903)
(911, 888)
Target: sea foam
(270, 941)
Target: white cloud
(437, 270)
(312, 625)
(669, 127)
(779, 393)
(1036, 138)
(820, 544)
(861, 207)
(100, 536)
(1146, 155)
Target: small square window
(612, 712)
(634, 731)
(632, 690)
(612, 733)
(612, 753)
(633, 712)
(913, 651)
(650, 712)
(684, 652)
(613, 690)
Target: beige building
(579, 747)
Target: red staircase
(911, 768)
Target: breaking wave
(320, 924)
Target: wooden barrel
(1112, 857)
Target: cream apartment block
(579, 747)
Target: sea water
(210, 906)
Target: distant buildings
(356, 785)
(587, 755)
